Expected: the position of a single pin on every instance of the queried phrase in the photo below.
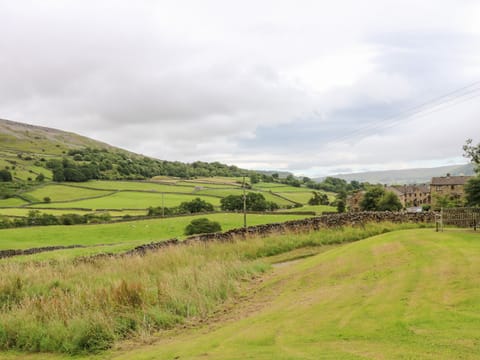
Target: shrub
(195, 206)
(5, 175)
(202, 226)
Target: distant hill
(16, 136)
(407, 176)
(28, 150)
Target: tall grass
(84, 307)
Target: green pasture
(135, 185)
(62, 193)
(410, 294)
(209, 185)
(131, 200)
(316, 208)
(164, 178)
(12, 202)
(57, 212)
(277, 188)
(115, 233)
(299, 197)
(220, 179)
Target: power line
(413, 111)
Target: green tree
(40, 177)
(195, 206)
(254, 202)
(318, 199)
(254, 178)
(472, 152)
(5, 175)
(472, 192)
(341, 206)
(372, 198)
(389, 202)
(232, 203)
(202, 226)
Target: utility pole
(163, 204)
(244, 205)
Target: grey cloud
(213, 80)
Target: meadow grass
(132, 200)
(135, 185)
(58, 212)
(319, 209)
(85, 307)
(12, 202)
(209, 185)
(115, 233)
(62, 193)
(299, 197)
(276, 187)
(410, 294)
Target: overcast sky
(312, 87)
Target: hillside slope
(406, 176)
(28, 138)
(29, 149)
(410, 294)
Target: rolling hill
(16, 136)
(406, 176)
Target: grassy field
(134, 232)
(119, 195)
(136, 185)
(11, 202)
(298, 197)
(58, 212)
(55, 307)
(62, 193)
(132, 200)
(319, 209)
(411, 294)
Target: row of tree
(35, 218)
(117, 165)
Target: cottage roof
(450, 180)
(413, 188)
(393, 189)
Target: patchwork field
(62, 193)
(131, 200)
(131, 197)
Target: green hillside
(410, 294)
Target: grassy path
(411, 294)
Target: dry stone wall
(309, 224)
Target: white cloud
(187, 80)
